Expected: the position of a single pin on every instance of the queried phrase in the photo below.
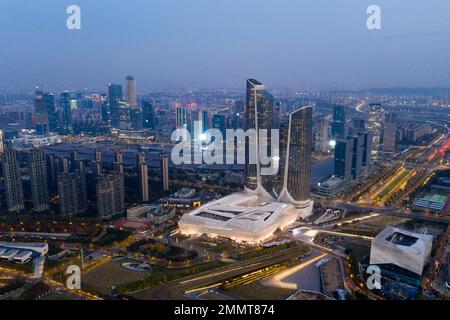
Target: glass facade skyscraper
(115, 96)
(294, 175)
(259, 114)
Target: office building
(13, 181)
(115, 96)
(51, 112)
(40, 113)
(322, 134)
(148, 115)
(65, 105)
(38, 180)
(142, 177)
(131, 95)
(338, 129)
(165, 172)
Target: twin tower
(292, 182)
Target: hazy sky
(319, 44)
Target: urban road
(388, 211)
(177, 289)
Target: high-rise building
(118, 162)
(38, 179)
(64, 102)
(352, 156)
(148, 115)
(51, 112)
(165, 172)
(389, 135)
(343, 159)
(115, 96)
(110, 195)
(322, 135)
(131, 95)
(294, 183)
(181, 117)
(136, 119)
(338, 129)
(375, 124)
(72, 193)
(40, 113)
(13, 181)
(219, 123)
(142, 177)
(260, 114)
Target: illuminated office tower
(38, 180)
(338, 130)
(51, 112)
(375, 125)
(64, 102)
(294, 175)
(13, 181)
(389, 135)
(165, 172)
(181, 117)
(40, 113)
(322, 135)
(148, 115)
(260, 114)
(115, 96)
(110, 195)
(72, 193)
(131, 95)
(136, 119)
(142, 177)
(219, 123)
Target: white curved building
(241, 217)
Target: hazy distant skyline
(310, 44)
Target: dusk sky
(314, 44)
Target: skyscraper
(343, 159)
(338, 124)
(72, 193)
(131, 95)
(260, 114)
(148, 115)
(40, 113)
(142, 177)
(375, 124)
(110, 195)
(181, 117)
(352, 156)
(2, 142)
(389, 135)
(13, 181)
(51, 112)
(38, 180)
(115, 96)
(322, 135)
(295, 158)
(219, 123)
(165, 172)
(136, 119)
(64, 102)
